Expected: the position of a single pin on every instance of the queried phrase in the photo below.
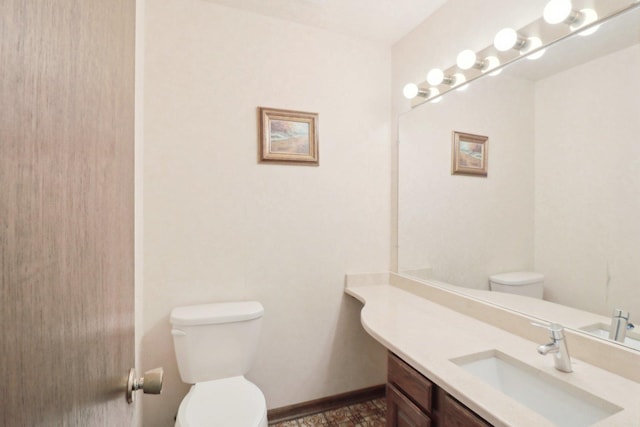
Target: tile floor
(365, 414)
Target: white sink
(559, 402)
(601, 330)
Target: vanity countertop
(428, 336)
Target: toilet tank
(214, 341)
(524, 283)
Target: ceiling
(384, 21)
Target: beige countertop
(428, 336)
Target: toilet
(215, 345)
(524, 283)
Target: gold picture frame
(287, 136)
(469, 154)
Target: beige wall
(587, 237)
(218, 226)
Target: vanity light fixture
(433, 92)
(557, 11)
(411, 90)
(460, 81)
(507, 39)
(534, 43)
(492, 62)
(588, 16)
(583, 22)
(436, 76)
(468, 59)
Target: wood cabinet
(415, 401)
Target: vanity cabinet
(415, 401)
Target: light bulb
(532, 44)
(460, 80)
(505, 39)
(410, 90)
(435, 77)
(491, 63)
(466, 59)
(588, 16)
(557, 11)
(433, 92)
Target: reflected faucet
(558, 347)
(619, 325)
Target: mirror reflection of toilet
(215, 345)
(525, 283)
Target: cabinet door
(401, 412)
(454, 414)
(410, 382)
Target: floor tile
(292, 423)
(313, 420)
(366, 414)
(365, 409)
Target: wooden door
(66, 211)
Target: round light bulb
(588, 16)
(466, 59)
(556, 11)
(534, 43)
(433, 92)
(435, 77)
(491, 63)
(410, 90)
(460, 80)
(505, 39)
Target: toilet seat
(228, 402)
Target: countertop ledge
(428, 336)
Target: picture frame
(469, 154)
(287, 137)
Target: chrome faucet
(619, 325)
(558, 347)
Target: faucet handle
(556, 331)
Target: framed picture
(469, 154)
(288, 136)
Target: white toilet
(518, 282)
(215, 345)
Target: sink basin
(601, 330)
(559, 402)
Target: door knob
(150, 383)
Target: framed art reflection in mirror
(469, 154)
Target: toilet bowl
(215, 345)
(524, 283)
(227, 402)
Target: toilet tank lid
(517, 278)
(222, 312)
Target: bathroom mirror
(562, 191)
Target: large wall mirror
(562, 192)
